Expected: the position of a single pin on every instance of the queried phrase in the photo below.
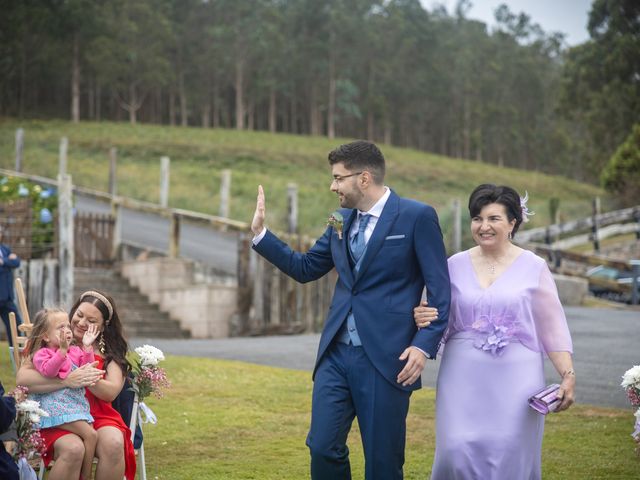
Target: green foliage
(239, 421)
(198, 156)
(554, 205)
(621, 176)
(44, 203)
(600, 91)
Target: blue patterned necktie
(357, 242)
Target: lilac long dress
(492, 363)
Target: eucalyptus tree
(601, 84)
(131, 55)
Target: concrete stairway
(139, 317)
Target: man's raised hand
(258, 218)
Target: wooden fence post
(113, 157)
(164, 181)
(225, 192)
(245, 285)
(19, 148)
(457, 227)
(292, 207)
(62, 162)
(174, 236)
(635, 271)
(66, 247)
(594, 224)
(116, 213)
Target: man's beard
(350, 200)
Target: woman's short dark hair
(360, 155)
(488, 193)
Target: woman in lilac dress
(505, 317)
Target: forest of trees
(390, 71)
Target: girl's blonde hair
(39, 330)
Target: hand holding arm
(423, 315)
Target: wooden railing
(545, 234)
(559, 258)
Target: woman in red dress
(104, 381)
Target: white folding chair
(18, 343)
(136, 420)
(18, 333)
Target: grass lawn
(273, 160)
(237, 421)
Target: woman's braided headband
(102, 298)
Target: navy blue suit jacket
(8, 468)
(405, 253)
(6, 273)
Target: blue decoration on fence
(45, 215)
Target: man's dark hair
(488, 193)
(360, 155)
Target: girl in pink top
(52, 355)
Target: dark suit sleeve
(432, 257)
(7, 410)
(303, 267)
(9, 262)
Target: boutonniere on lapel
(336, 221)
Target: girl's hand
(64, 343)
(423, 315)
(90, 336)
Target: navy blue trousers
(7, 306)
(346, 386)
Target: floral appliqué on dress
(494, 333)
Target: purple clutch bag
(545, 400)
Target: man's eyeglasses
(340, 178)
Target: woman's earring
(101, 343)
(510, 236)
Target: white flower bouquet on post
(148, 378)
(28, 441)
(631, 385)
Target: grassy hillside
(198, 155)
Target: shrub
(621, 175)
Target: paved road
(605, 346)
(197, 242)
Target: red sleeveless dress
(104, 415)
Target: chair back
(22, 301)
(18, 342)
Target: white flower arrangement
(631, 377)
(631, 384)
(149, 355)
(32, 409)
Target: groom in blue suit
(371, 354)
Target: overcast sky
(566, 16)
